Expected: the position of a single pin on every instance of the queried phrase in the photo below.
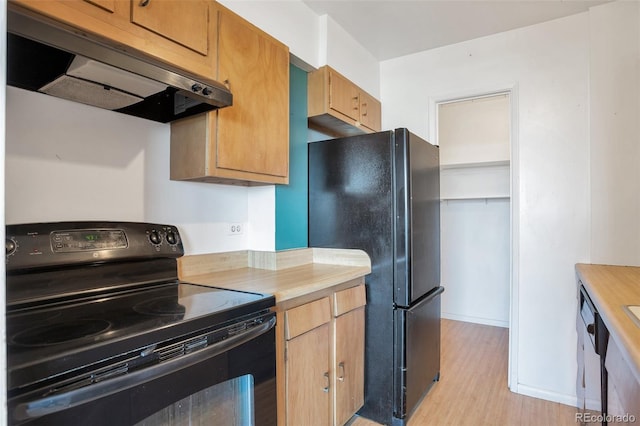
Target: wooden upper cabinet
(248, 142)
(253, 134)
(108, 5)
(370, 114)
(175, 32)
(185, 22)
(344, 96)
(338, 107)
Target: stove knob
(171, 237)
(154, 237)
(9, 246)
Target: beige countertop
(292, 276)
(611, 288)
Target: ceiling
(389, 29)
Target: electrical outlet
(235, 228)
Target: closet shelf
(475, 164)
(477, 197)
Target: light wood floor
(473, 385)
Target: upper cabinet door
(184, 22)
(344, 96)
(370, 115)
(253, 134)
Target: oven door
(230, 382)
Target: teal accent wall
(291, 200)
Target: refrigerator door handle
(429, 296)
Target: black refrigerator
(380, 193)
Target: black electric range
(85, 295)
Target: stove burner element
(53, 334)
(163, 306)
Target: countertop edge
(201, 264)
(278, 273)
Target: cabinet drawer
(304, 318)
(348, 300)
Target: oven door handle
(59, 402)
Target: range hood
(47, 59)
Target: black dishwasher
(595, 347)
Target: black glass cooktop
(52, 339)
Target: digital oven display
(88, 240)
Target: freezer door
(417, 354)
(417, 188)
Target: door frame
(514, 215)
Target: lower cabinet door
(307, 377)
(349, 365)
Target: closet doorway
(474, 135)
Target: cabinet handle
(341, 376)
(326, 388)
(364, 107)
(144, 3)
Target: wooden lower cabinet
(308, 378)
(349, 356)
(323, 360)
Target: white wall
(475, 260)
(548, 64)
(68, 161)
(347, 56)
(615, 133)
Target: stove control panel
(88, 239)
(67, 243)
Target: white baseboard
(593, 404)
(570, 400)
(476, 320)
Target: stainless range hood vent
(48, 59)
(90, 93)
